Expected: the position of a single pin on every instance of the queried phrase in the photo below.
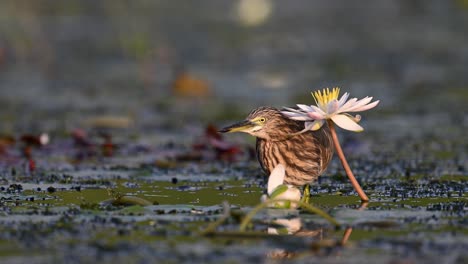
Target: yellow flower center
(322, 98)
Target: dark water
(125, 91)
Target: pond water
(129, 95)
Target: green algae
(184, 192)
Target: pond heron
(304, 155)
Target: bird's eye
(262, 120)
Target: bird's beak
(241, 126)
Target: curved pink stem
(345, 164)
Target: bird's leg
(345, 164)
(306, 194)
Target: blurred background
(176, 66)
(101, 100)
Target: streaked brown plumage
(304, 155)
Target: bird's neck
(277, 138)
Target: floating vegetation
(126, 97)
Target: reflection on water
(286, 226)
(294, 226)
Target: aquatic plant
(335, 111)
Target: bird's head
(263, 122)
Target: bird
(280, 140)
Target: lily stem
(345, 164)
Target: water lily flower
(328, 106)
(335, 111)
(277, 190)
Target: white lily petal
(315, 125)
(332, 106)
(343, 99)
(292, 194)
(289, 113)
(315, 115)
(305, 107)
(297, 116)
(295, 113)
(366, 107)
(360, 103)
(287, 109)
(346, 122)
(347, 105)
(276, 178)
(318, 110)
(293, 110)
(301, 118)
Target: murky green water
(53, 220)
(126, 91)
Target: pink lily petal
(347, 123)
